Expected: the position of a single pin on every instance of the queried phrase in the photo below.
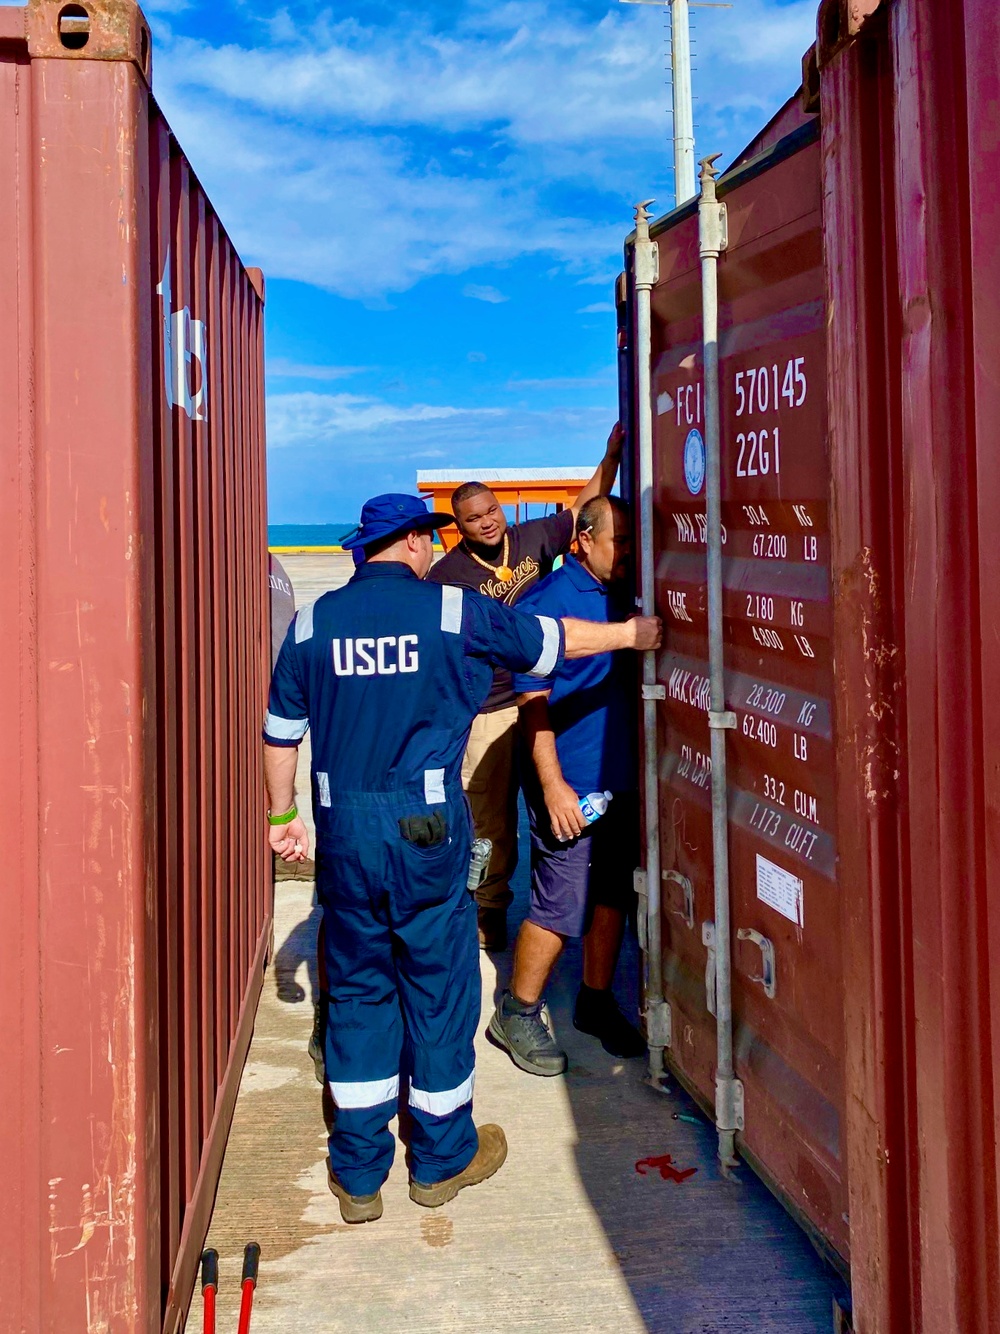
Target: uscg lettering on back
(385, 656)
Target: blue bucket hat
(390, 515)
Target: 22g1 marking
(757, 463)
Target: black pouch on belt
(425, 831)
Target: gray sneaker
(525, 1036)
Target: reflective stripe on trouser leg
(364, 1032)
(437, 965)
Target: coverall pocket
(429, 874)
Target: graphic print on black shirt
(534, 546)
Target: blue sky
(438, 197)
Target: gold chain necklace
(503, 572)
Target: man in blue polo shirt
(580, 730)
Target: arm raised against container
(607, 470)
(585, 638)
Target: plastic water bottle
(594, 804)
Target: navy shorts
(568, 880)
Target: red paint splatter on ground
(665, 1166)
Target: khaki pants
(489, 776)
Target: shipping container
(135, 912)
(858, 319)
(783, 826)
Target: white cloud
(597, 308)
(476, 356)
(364, 158)
(313, 418)
(282, 369)
(481, 293)
(347, 447)
(537, 72)
(359, 216)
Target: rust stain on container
(135, 917)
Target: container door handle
(675, 878)
(768, 973)
(708, 940)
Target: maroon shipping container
(911, 154)
(778, 626)
(135, 910)
(859, 323)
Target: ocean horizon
(307, 534)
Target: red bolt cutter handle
(209, 1287)
(251, 1262)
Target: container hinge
(675, 878)
(658, 1025)
(729, 1104)
(642, 913)
(725, 719)
(647, 253)
(767, 977)
(708, 940)
(713, 225)
(647, 263)
(656, 692)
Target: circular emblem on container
(694, 462)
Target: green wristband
(287, 818)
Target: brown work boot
(489, 1159)
(492, 928)
(354, 1208)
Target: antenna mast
(683, 101)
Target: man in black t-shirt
(502, 561)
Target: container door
(787, 989)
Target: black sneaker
(597, 1013)
(524, 1035)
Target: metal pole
(712, 240)
(657, 1010)
(680, 65)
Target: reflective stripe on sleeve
(549, 655)
(451, 609)
(304, 624)
(365, 1093)
(442, 1104)
(285, 729)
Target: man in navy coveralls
(389, 672)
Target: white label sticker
(323, 783)
(779, 889)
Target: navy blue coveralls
(389, 672)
